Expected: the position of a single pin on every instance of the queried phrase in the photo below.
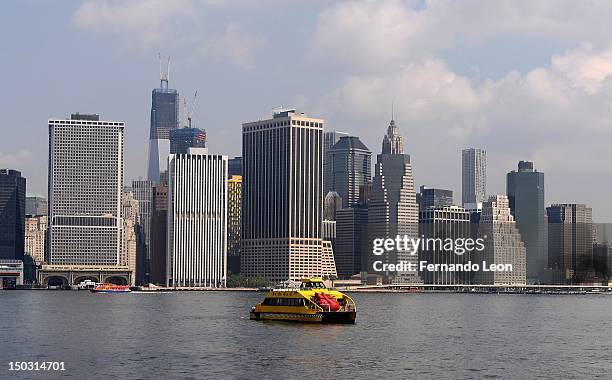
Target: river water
(209, 335)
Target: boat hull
(110, 291)
(335, 317)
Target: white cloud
(585, 68)
(367, 33)
(147, 24)
(143, 23)
(234, 46)
(371, 34)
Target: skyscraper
(234, 208)
(36, 205)
(502, 244)
(570, 241)
(525, 189)
(393, 142)
(434, 198)
(350, 168)
(473, 177)
(164, 118)
(159, 235)
(85, 190)
(444, 222)
(234, 166)
(197, 219)
(143, 193)
(393, 209)
(129, 234)
(331, 204)
(351, 240)
(328, 265)
(35, 237)
(282, 197)
(181, 139)
(12, 214)
(329, 140)
(328, 231)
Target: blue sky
(525, 80)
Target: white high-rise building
(85, 190)
(197, 219)
(502, 244)
(473, 177)
(282, 197)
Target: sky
(526, 80)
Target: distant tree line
(241, 281)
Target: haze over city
(531, 85)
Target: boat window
(284, 302)
(313, 285)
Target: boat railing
(313, 305)
(349, 304)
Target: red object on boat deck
(327, 302)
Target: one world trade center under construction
(164, 118)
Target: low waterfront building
(11, 273)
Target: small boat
(87, 284)
(111, 288)
(311, 301)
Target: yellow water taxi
(311, 301)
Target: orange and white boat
(111, 288)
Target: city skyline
(528, 101)
(246, 189)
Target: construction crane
(189, 114)
(163, 75)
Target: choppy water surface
(209, 335)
